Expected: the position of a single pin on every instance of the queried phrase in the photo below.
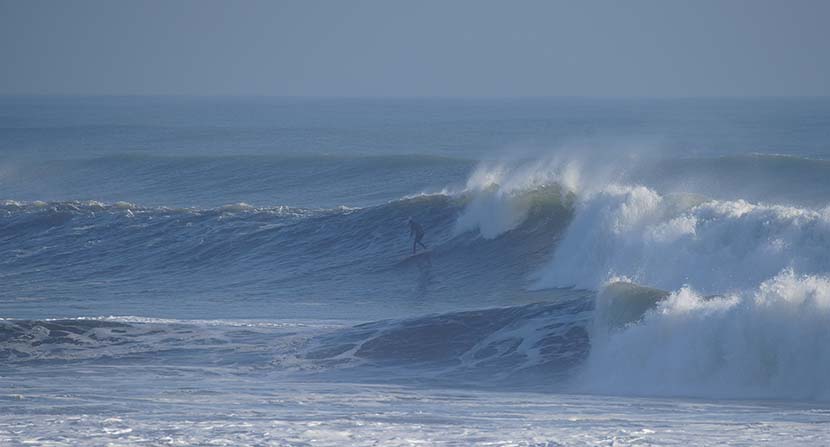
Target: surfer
(416, 230)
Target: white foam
(237, 207)
(131, 319)
(771, 342)
(669, 241)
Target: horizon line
(400, 97)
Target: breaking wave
(770, 342)
(555, 273)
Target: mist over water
(672, 248)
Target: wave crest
(667, 241)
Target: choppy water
(186, 270)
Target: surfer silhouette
(416, 230)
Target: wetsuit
(418, 231)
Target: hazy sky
(417, 48)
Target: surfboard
(416, 255)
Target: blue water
(616, 247)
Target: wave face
(532, 343)
(86, 252)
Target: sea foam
(770, 342)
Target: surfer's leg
(422, 245)
(413, 247)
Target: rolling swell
(237, 252)
(761, 341)
(541, 340)
(767, 343)
(536, 343)
(212, 181)
(710, 338)
(93, 238)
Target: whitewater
(216, 271)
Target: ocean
(238, 271)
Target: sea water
(237, 271)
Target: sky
(389, 48)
